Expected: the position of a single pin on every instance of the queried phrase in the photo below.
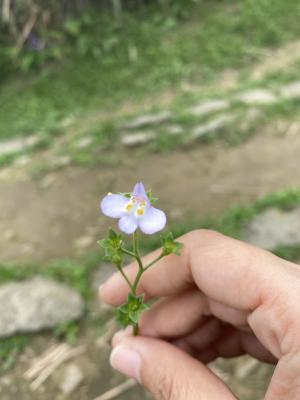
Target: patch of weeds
(10, 348)
(149, 51)
(290, 253)
(7, 159)
(67, 331)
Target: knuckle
(204, 237)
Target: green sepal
(151, 198)
(170, 246)
(129, 312)
(112, 247)
(126, 194)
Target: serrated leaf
(104, 243)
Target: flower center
(136, 206)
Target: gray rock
(257, 96)
(147, 120)
(291, 91)
(36, 304)
(175, 130)
(16, 145)
(137, 138)
(273, 228)
(84, 142)
(209, 107)
(72, 378)
(212, 127)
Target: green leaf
(112, 247)
(151, 198)
(112, 234)
(129, 312)
(104, 243)
(170, 246)
(127, 194)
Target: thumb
(167, 372)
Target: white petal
(113, 205)
(153, 221)
(139, 191)
(128, 224)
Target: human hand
(220, 298)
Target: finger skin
(170, 374)
(174, 316)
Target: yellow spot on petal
(129, 207)
(140, 211)
(109, 193)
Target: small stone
(257, 96)
(146, 120)
(137, 139)
(37, 304)
(62, 161)
(16, 145)
(84, 142)
(9, 235)
(83, 242)
(27, 248)
(273, 228)
(291, 91)
(211, 127)
(72, 378)
(209, 107)
(175, 130)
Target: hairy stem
(136, 329)
(136, 250)
(120, 269)
(128, 252)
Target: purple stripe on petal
(139, 191)
(113, 205)
(153, 221)
(128, 224)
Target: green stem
(128, 252)
(120, 269)
(136, 250)
(136, 329)
(136, 281)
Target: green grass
(105, 64)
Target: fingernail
(126, 360)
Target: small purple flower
(134, 212)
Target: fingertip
(111, 291)
(121, 335)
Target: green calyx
(112, 247)
(170, 246)
(129, 312)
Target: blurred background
(199, 99)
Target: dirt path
(58, 215)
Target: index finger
(225, 269)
